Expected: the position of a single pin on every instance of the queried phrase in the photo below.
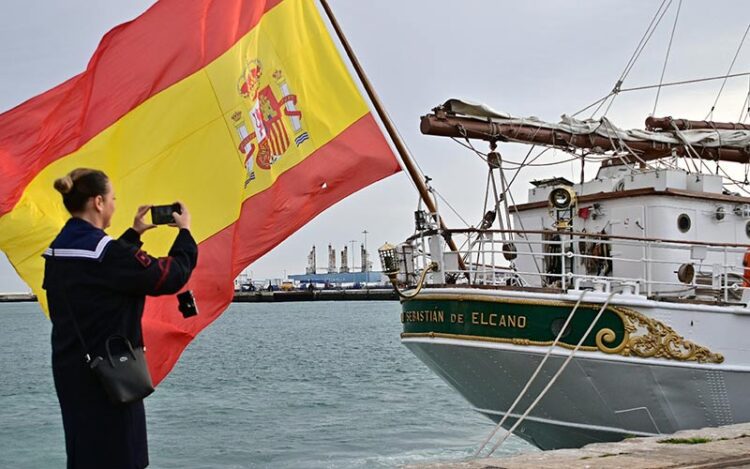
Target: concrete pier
(17, 297)
(707, 448)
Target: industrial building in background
(344, 277)
(347, 275)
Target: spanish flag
(242, 109)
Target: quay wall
(713, 447)
(372, 294)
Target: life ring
(599, 260)
(746, 264)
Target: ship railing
(657, 268)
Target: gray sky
(541, 58)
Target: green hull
(522, 322)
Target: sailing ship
(614, 306)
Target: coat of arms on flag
(268, 117)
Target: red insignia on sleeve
(143, 258)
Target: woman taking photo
(97, 286)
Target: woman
(103, 282)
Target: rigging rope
(685, 82)
(523, 229)
(666, 58)
(451, 207)
(483, 157)
(738, 184)
(690, 148)
(522, 164)
(507, 189)
(611, 128)
(731, 65)
(611, 102)
(634, 58)
(745, 110)
(486, 195)
(533, 376)
(674, 83)
(554, 378)
(644, 39)
(591, 105)
(518, 171)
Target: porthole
(747, 229)
(683, 223)
(557, 325)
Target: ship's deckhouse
(648, 224)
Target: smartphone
(162, 214)
(186, 304)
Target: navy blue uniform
(106, 282)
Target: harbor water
(314, 385)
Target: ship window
(747, 229)
(557, 325)
(683, 223)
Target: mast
(403, 152)
(446, 124)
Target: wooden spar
(403, 152)
(665, 124)
(447, 125)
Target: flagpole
(403, 152)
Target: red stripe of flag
(134, 61)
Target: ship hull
(606, 393)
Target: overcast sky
(541, 58)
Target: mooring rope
(533, 376)
(554, 378)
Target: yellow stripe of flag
(183, 143)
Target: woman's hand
(181, 220)
(139, 225)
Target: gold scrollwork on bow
(648, 338)
(608, 335)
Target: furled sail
(242, 109)
(458, 118)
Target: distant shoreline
(17, 298)
(370, 294)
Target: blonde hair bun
(64, 184)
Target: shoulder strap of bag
(64, 292)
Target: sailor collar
(79, 239)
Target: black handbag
(124, 375)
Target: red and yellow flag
(242, 109)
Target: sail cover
(710, 138)
(242, 109)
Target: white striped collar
(80, 253)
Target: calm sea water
(314, 385)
